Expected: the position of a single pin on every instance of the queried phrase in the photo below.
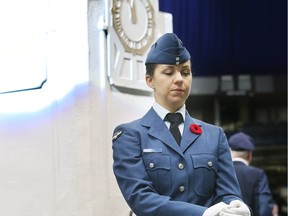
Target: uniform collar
(162, 112)
(241, 160)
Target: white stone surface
(57, 160)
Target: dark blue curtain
(232, 36)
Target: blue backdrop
(232, 36)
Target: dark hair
(150, 68)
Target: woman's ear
(149, 81)
(250, 157)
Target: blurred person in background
(252, 180)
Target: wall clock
(133, 21)
(133, 26)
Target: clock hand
(133, 11)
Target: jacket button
(210, 164)
(181, 188)
(151, 165)
(181, 166)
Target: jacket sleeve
(135, 184)
(263, 197)
(227, 187)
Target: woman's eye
(186, 72)
(168, 72)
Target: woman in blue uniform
(168, 163)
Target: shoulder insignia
(116, 135)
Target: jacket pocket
(158, 168)
(205, 171)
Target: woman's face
(171, 84)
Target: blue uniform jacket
(254, 188)
(157, 177)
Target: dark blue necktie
(175, 120)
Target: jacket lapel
(188, 137)
(159, 130)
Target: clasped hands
(235, 208)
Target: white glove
(215, 209)
(235, 208)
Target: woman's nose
(178, 76)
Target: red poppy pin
(195, 129)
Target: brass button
(151, 165)
(181, 188)
(181, 166)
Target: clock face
(133, 21)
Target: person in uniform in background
(168, 163)
(253, 181)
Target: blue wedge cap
(241, 142)
(168, 49)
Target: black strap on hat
(175, 120)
